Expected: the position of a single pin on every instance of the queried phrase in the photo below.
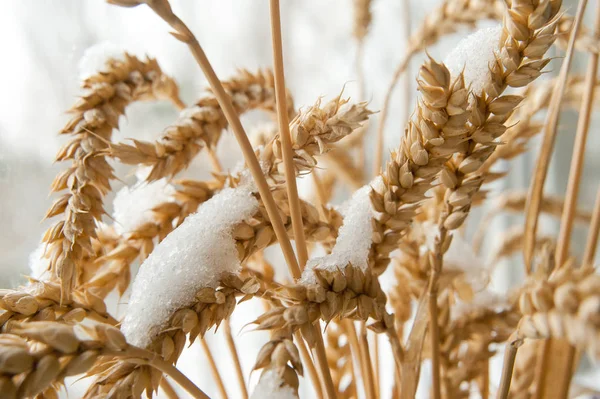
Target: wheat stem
(576, 169)
(236, 358)
(213, 368)
(216, 164)
(384, 109)
(534, 203)
(284, 131)
(356, 351)
(163, 9)
(375, 361)
(577, 159)
(432, 291)
(308, 363)
(536, 188)
(592, 240)
(485, 381)
(406, 82)
(368, 377)
(321, 356)
(510, 355)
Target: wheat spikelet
(199, 126)
(29, 367)
(88, 179)
(564, 305)
(426, 146)
(41, 301)
(528, 33)
(479, 328)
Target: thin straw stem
(163, 9)
(321, 356)
(384, 110)
(592, 240)
(434, 334)
(355, 348)
(485, 381)
(406, 82)
(436, 260)
(154, 360)
(577, 159)
(536, 189)
(309, 365)
(216, 164)
(375, 361)
(360, 70)
(510, 355)
(213, 368)
(368, 376)
(236, 358)
(286, 139)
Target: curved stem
(384, 110)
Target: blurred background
(43, 43)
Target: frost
(94, 58)
(195, 255)
(271, 386)
(473, 55)
(354, 238)
(132, 206)
(38, 264)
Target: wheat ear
(88, 179)
(200, 126)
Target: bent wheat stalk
(88, 178)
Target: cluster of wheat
(200, 246)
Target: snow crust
(473, 56)
(354, 238)
(196, 255)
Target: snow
(354, 238)
(270, 386)
(473, 55)
(94, 58)
(195, 255)
(132, 206)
